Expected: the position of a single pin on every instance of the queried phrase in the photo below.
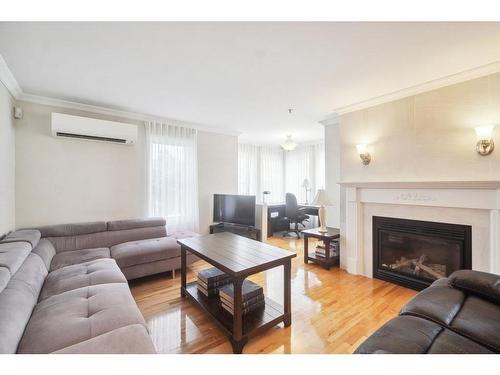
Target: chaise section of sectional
(78, 315)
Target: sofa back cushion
(71, 237)
(74, 229)
(12, 256)
(17, 301)
(32, 236)
(136, 223)
(481, 284)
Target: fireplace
(414, 253)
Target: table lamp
(321, 199)
(305, 185)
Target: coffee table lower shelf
(253, 323)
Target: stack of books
(334, 250)
(211, 280)
(252, 297)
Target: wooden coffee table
(327, 238)
(239, 257)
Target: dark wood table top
(236, 255)
(314, 232)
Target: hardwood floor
(332, 311)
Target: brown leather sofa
(459, 314)
(63, 288)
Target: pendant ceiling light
(289, 144)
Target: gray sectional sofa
(63, 288)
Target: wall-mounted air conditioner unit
(90, 129)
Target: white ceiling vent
(90, 129)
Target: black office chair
(294, 214)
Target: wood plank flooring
(332, 311)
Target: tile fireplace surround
(474, 203)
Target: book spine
(245, 304)
(214, 284)
(246, 310)
(245, 297)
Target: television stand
(242, 230)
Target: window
(262, 168)
(172, 189)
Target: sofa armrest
(481, 284)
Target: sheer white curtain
(307, 161)
(172, 178)
(262, 168)
(272, 174)
(248, 169)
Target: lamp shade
(321, 198)
(484, 132)
(305, 183)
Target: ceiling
(239, 76)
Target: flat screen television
(234, 209)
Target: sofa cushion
(449, 342)
(100, 271)
(145, 251)
(46, 251)
(12, 256)
(31, 236)
(403, 334)
(69, 258)
(78, 315)
(482, 284)
(136, 223)
(413, 335)
(133, 339)
(17, 301)
(105, 239)
(75, 229)
(479, 320)
(439, 303)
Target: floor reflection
(332, 311)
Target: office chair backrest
(291, 208)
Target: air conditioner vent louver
(90, 129)
(91, 137)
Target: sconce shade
(321, 198)
(361, 148)
(305, 183)
(484, 132)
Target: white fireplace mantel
(432, 198)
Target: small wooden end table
(327, 238)
(239, 257)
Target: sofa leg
(173, 273)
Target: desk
(276, 220)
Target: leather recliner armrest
(482, 284)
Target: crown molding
(449, 80)
(53, 102)
(333, 119)
(9, 80)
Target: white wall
(429, 136)
(217, 171)
(64, 180)
(332, 173)
(7, 162)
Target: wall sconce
(363, 154)
(485, 144)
